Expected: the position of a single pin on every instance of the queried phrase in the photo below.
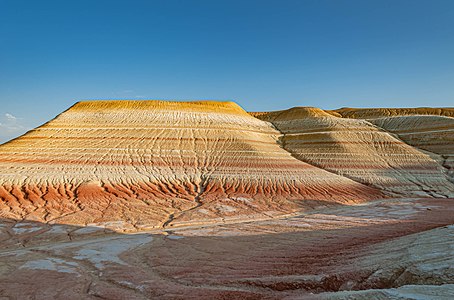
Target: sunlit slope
(157, 163)
(357, 149)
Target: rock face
(154, 163)
(360, 150)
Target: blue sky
(265, 55)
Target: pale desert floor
(393, 249)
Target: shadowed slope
(431, 133)
(425, 128)
(157, 163)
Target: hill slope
(428, 129)
(359, 150)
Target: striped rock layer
(428, 129)
(434, 134)
(146, 164)
(364, 152)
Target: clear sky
(265, 55)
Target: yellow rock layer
(150, 105)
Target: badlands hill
(136, 165)
(383, 152)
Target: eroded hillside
(157, 164)
(368, 151)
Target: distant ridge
(366, 113)
(354, 113)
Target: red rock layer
(360, 151)
(156, 163)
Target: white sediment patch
(52, 264)
(105, 251)
(414, 292)
(225, 208)
(21, 228)
(112, 225)
(87, 230)
(57, 229)
(132, 285)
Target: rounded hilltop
(196, 106)
(292, 113)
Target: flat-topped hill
(151, 164)
(157, 163)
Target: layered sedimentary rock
(154, 163)
(359, 150)
(429, 129)
(430, 133)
